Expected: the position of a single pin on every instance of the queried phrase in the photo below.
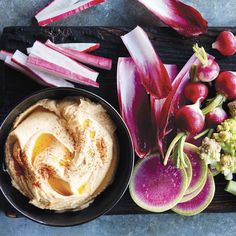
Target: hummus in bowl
(61, 154)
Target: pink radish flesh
(97, 61)
(156, 187)
(199, 169)
(225, 43)
(43, 78)
(200, 202)
(51, 14)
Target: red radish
(226, 88)
(41, 77)
(190, 119)
(59, 9)
(183, 18)
(225, 43)
(196, 91)
(81, 47)
(209, 68)
(155, 187)
(53, 62)
(215, 117)
(100, 62)
(154, 76)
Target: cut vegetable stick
(43, 78)
(100, 62)
(52, 13)
(4, 54)
(154, 76)
(53, 69)
(75, 47)
(53, 62)
(81, 47)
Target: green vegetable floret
(210, 151)
(228, 166)
(226, 136)
(232, 108)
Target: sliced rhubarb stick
(75, 47)
(100, 62)
(183, 18)
(53, 62)
(154, 76)
(21, 59)
(53, 69)
(134, 106)
(81, 47)
(4, 54)
(51, 14)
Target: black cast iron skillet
(105, 201)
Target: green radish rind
(202, 178)
(190, 196)
(188, 170)
(208, 192)
(167, 173)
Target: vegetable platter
(170, 46)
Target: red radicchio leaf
(154, 76)
(134, 106)
(183, 18)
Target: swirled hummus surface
(61, 154)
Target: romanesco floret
(232, 108)
(228, 166)
(226, 136)
(210, 151)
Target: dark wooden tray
(171, 47)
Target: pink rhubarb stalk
(60, 9)
(81, 47)
(43, 78)
(97, 61)
(53, 62)
(154, 76)
(134, 106)
(183, 18)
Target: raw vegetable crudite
(225, 43)
(208, 70)
(183, 18)
(59, 9)
(154, 76)
(225, 85)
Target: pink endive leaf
(183, 18)
(154, 76)
(134, 106)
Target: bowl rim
(129, 138)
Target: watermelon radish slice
(155, 187)
(188, 170)
(199, 168)
(190, 196)
(200, 202)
